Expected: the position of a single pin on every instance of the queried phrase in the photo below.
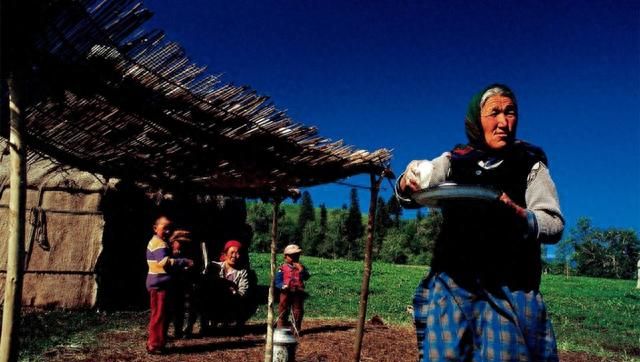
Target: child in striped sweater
(161, 265)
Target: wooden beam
(268, 349)
(366, 274)
(17, 205)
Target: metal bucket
(284, 345)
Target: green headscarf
(472, 124)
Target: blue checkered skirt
(455, 324)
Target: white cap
(292, 249)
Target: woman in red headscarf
(230, 285)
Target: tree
(323, 224)
(354, 228)
(259, 216)
(335, 243)
(383, 222)
(311, 238)
(395, 210)
(307, 213)
(564, 259)
(395, 247)
(286, 230)
(623, 249)
(428, 231)
(606, 253)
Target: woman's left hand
(506, 200)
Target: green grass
(596, 316)
(334, 287)
(600, 316)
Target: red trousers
(295, 301)
(158, 323)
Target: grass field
(334, 287)
(600, 316)
(597, 316)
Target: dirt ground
(322, 340)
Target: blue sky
(399, 74)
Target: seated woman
(228, 302)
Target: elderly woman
(229, 286)
(481, 299)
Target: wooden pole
(268, 349)
(366, 274)
(15, 246)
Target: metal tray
(441, 194)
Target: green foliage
(413, 241)
(383, 222)
(427, 232)
(323, 223)
(286, 231)
(336, 243)
(260, 216)
(323, 216)
(395, 247)
(306, 214)
(609, 253)
(312, 237)
(395, 210)
(354, 227)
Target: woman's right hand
(416, 175)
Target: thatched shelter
(96, 91)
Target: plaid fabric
(455, 324)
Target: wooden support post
(15, 246)
(268, 349)
(366, 274)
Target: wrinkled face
(232, 256)
(499, 119)
(163, 228)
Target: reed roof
(110, 97)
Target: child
(183, 303)
(158, 281)
(290, 280)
